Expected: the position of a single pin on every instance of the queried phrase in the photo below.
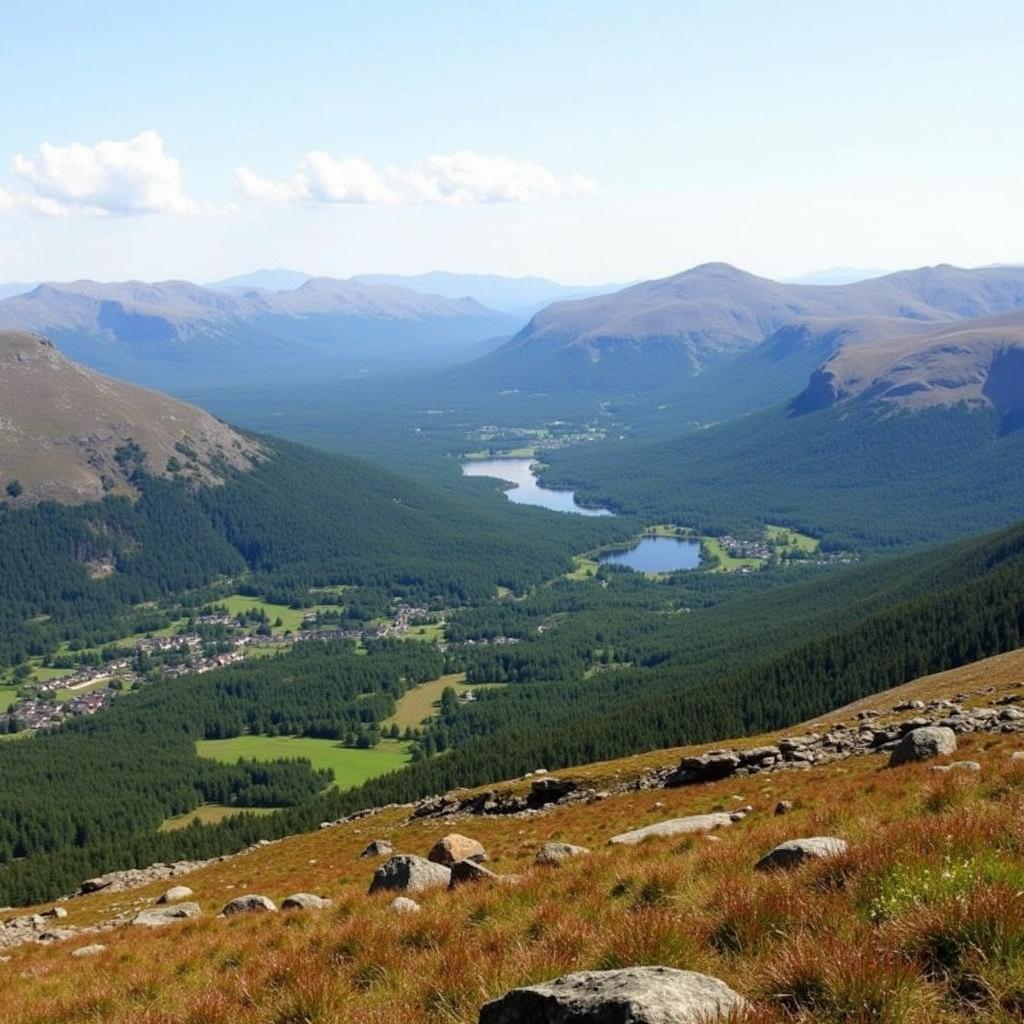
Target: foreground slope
(920, 920)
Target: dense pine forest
(622, 666)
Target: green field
(585, 568)
(210, 814)
(419, 703)
(351, 767)
(63, 696)
(726, 563)
(431, 633)
(8, 694)
(787, 538)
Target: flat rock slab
(175, 894)
(94, 950)
(957, 766)
(922, 744)
(406, 872)
(249, 904)
(404, 905)
(160, 916)
(798, 851)
(696, 823)
(634, 995)
(305, 901)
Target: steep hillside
(683, 325)
(173, 331)
(915, 917)
(979, 364)
(67, 434)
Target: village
(89, 689)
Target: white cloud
(458, 179)
(131, 176)
(6, 201)
(321, 179)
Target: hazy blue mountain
(278, 280)
(14, 288)
(837, 275)
(174, 333)
(521, 296)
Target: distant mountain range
(714, 317)
(14, 288)
(168, 333)
(837, 275)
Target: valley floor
(922, 920)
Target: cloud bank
(118, 177)
(464, 178)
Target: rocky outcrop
(555, 853)
(406, 872)
(924, 743)
(247, 904)
(795, 852)
(633, 995)
(694, 824)
(453, 848)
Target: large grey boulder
(798, 851)
(249, 904)
(694, 824)
(555, 853)
(922, 744)
(633, 995)
(406, 872)
(453, 848)
(305, 901)
(715, 764)
(160, 916)
(470, 871)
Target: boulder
(56, 935)
(798, 851)
(158, 917)
(633, 995)
(957, 766)
(555, 853)
(305, 901)
(922, 744)
(378, 848)
(248, 904)
(94, 885)
(784, 807)
(455, 848)
(406, 872)
(59, 913)
(94, 950)
(695, 823)
(715, 764)
(404, 905)
(470, 871)
(175, 894)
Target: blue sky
(585, 141)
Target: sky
(587, 142)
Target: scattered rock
(547, 790)
(922, 744)
(55, 912)
(470, 871)
(409, 873)
(555, 853)
(95, 884)
(157, 918)
(784, 807)
(675, 827)
(94, 950)
(633, 995)
(404, 905)
(305, 901)
(378, 848)
(56, 935)
(175, 893)
(956, 766)
(455, 848)
(797, 851)
(709, 767)
(248, 904)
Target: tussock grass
(922, 920)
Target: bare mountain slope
(980, 363)
(66, 433)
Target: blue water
(657, 554)
(525, 490)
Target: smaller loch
(525, 489)
(657, 554)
